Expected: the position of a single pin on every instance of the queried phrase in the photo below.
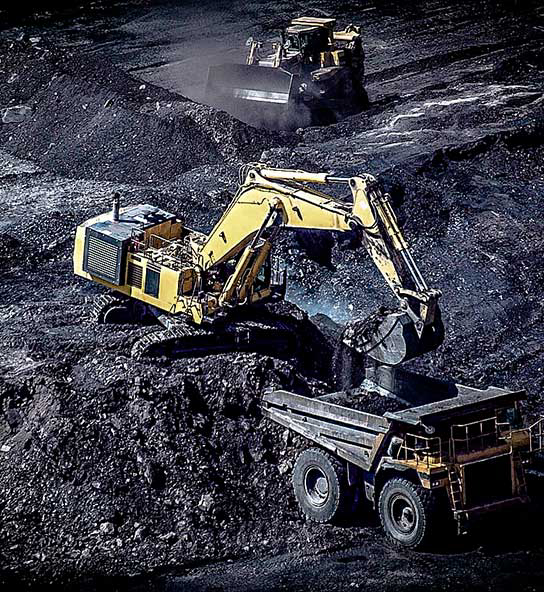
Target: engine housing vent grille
(103, 257)
(134, 275)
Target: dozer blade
(390, 337)
(250, 92)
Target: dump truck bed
(349, 433)
(356, 435)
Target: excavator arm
(270, 198)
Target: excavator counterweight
(191, 282)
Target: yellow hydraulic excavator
(192, 282)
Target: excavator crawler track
(180, 339)
(107, 308)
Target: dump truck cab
(443, 454)
(469, 446)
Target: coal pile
(366, 401)
(104, 118)
(161, 463)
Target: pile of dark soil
(367, 401)
(143, 463)
(112, 126)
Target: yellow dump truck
(446, 454)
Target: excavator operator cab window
(265, 274)
(152, 282)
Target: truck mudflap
(352, 435)
(235, 86)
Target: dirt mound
(367, 401)
(92, 120)
(11, 250)
(161, 461)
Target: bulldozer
(312, 76)
(199, 286)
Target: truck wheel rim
(403, 514)
(316, 486)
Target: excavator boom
(270, 196)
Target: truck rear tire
(408, 513)
(321, 485)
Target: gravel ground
(162, 474)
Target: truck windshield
(511, 416)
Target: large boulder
(16, 114)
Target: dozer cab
(194, 284)
(312, 75)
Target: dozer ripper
(196, 285)
(313, 75)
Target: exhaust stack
(115, 207)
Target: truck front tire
(321, 485)
(408, 513)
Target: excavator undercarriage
(258, 329)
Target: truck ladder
(456, 488)
(519, 473)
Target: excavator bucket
(249, 92)
(390, 337)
